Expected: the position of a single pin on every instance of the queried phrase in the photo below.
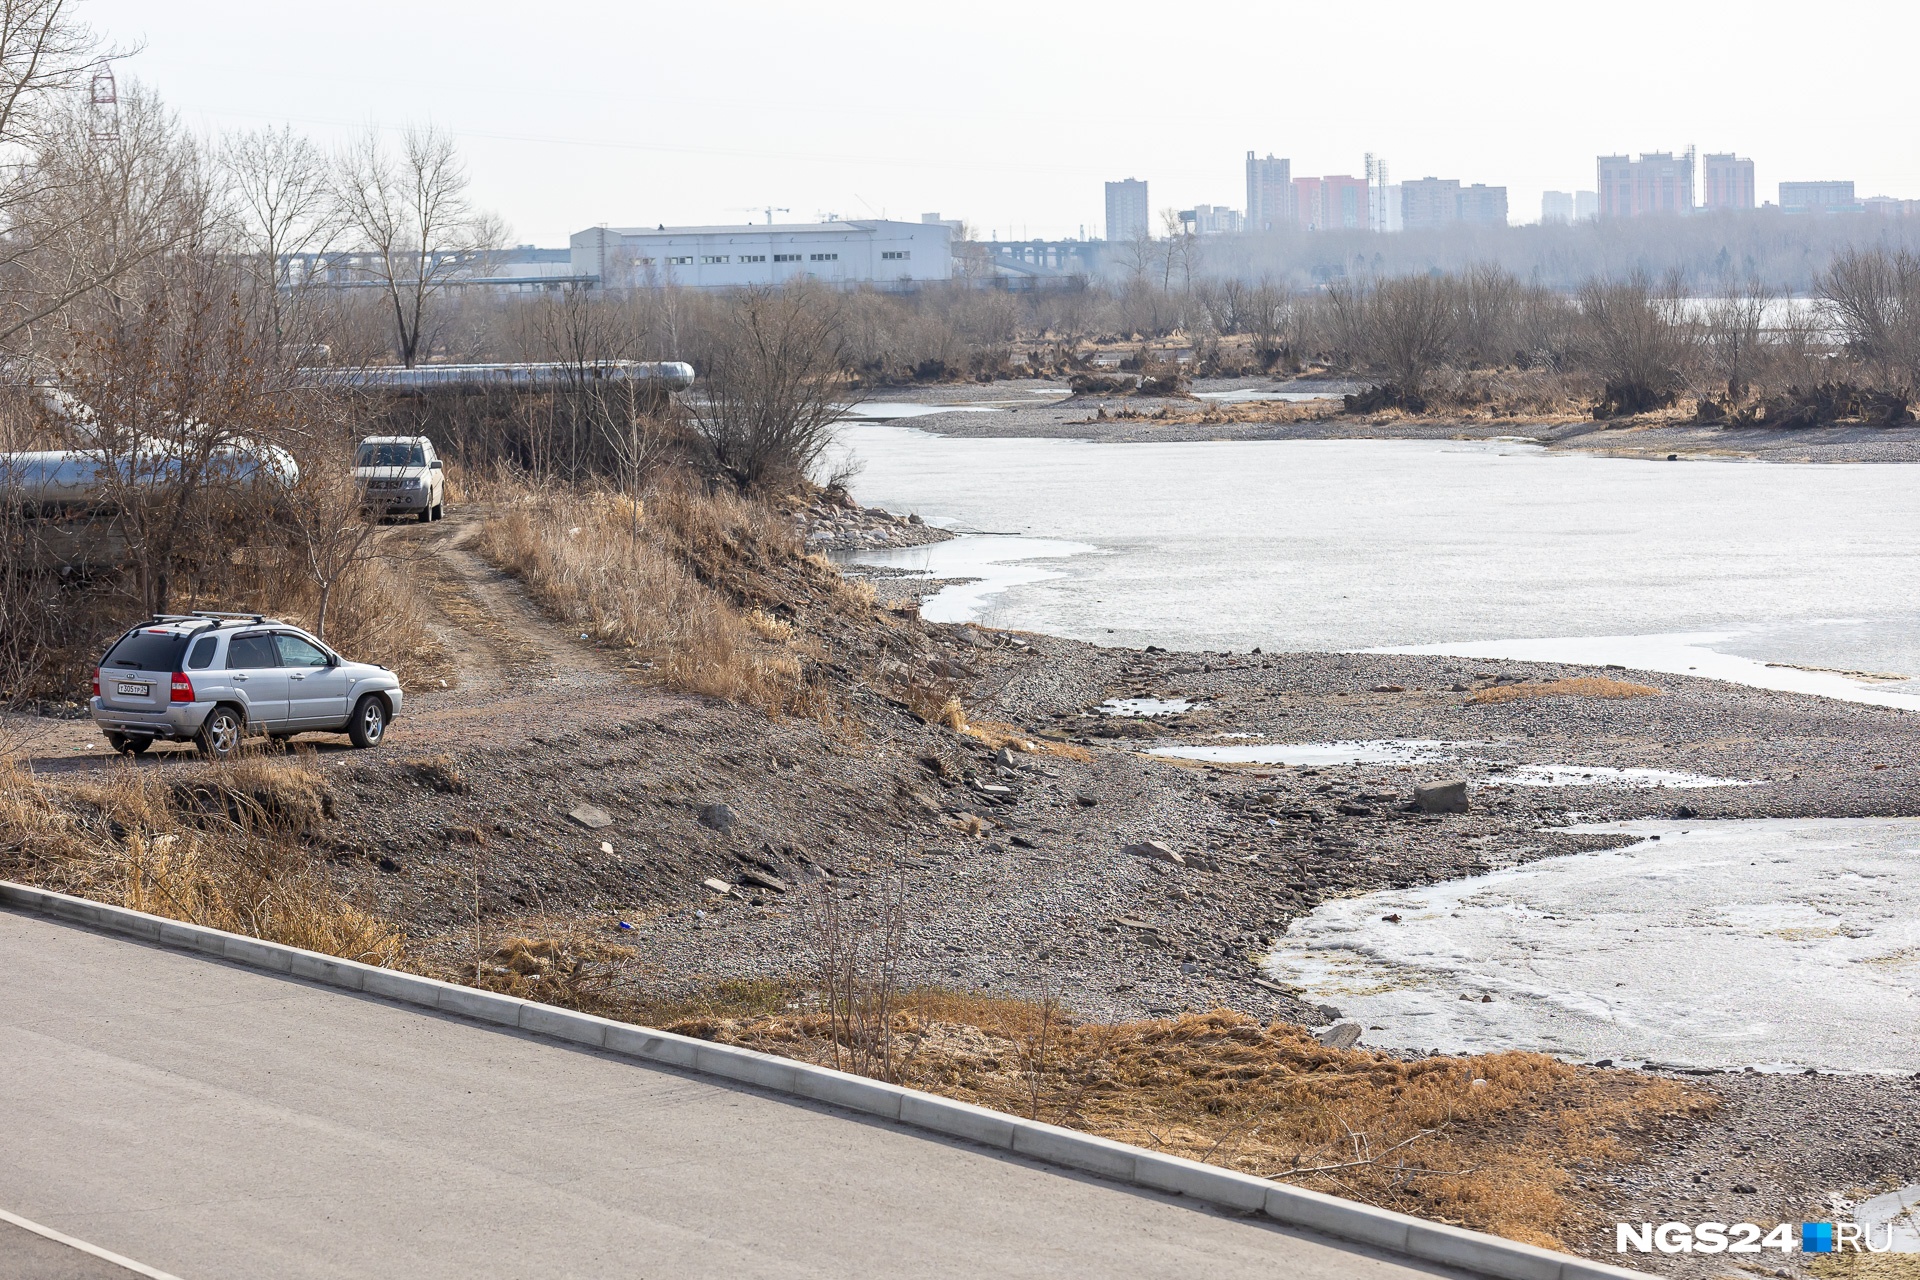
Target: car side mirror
(436, 465)
(333, 659)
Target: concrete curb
(1470, 1251)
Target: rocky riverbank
(834, 522)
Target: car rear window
(147, 651)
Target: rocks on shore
(828, 525)
(1442, 797)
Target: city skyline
(623, 119)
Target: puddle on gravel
(1775, 943)
(1145, 706)
(1893, 1217)
(1385, 751)
(1568, 775)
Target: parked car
(403, 476)
(213, 678)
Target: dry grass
(1492, 1142)
(1572, 687)
(1865, 1266)
(215, 850)
(1012, 736)
(648, 585)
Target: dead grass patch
(1571, 687)
(637, 582)
(216, 851)
(997, 735)
(1492, 1142)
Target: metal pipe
(552, 375)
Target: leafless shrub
(1640, 339)
(773, 386)
(856, 960)
(1871, 298)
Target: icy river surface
(1776, 943)
(1787, 575)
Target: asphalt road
(210, 1121)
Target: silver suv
(213, 678)
(402, 476)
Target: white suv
(402, 475)
(212, 678)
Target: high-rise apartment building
(1426, 203)
(1270, 200)
(1658, 182)
(1726, 182)
(1483, 206)
(1556, 208)
(1127, 217)
(1818, 197)
(1586, 206)
(1333, 203)
(1440, 202)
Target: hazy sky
(577, 112)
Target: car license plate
(134, 690)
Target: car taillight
(182, 687)
(96, 682)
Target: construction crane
(769, 210)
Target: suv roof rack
(217, 617)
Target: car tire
(368, 727)
(221, 734)
(439, 511)
(426, 514)
(129, 744)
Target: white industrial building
(877, 252)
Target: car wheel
(369, 723)
(128, 744)
(220, 735)
(426, 514)
(439, 511)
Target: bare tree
(416, 227)
(93, 210)
(178, 414)
(285, 216)
(1734, 330)
(774, 386)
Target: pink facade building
(1726, 182)
(1331, 203)
(1658, 182)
